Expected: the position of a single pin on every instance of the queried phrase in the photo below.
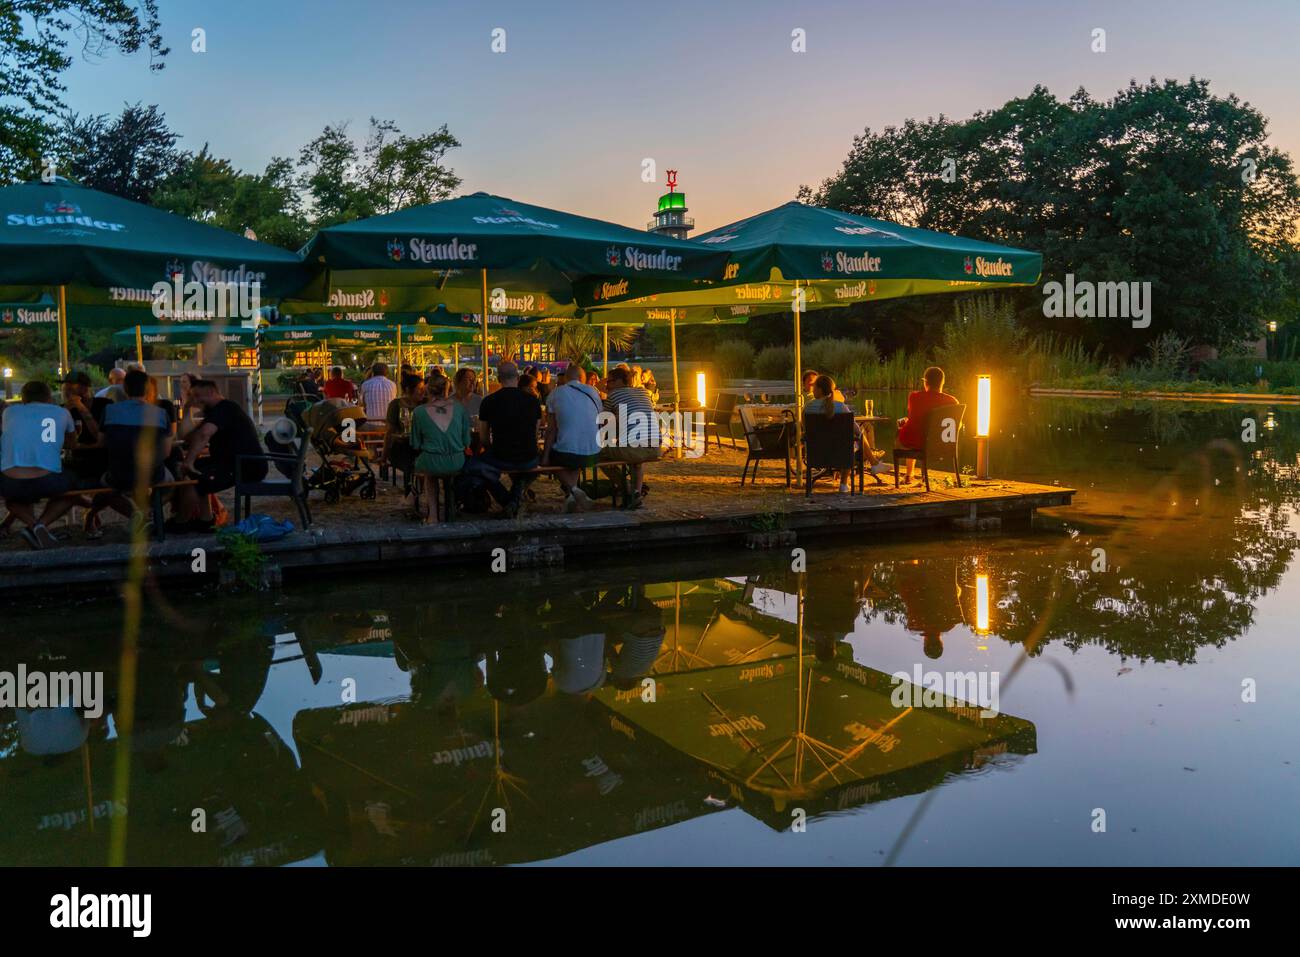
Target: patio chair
(766, 440)
(829, 446)
(935, 445)
(719, 419)
(290, 483)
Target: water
(649, 712)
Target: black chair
(719, 419)
(289, 484)
(766, 441)
(941, 423)
(829, 447)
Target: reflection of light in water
(982, 603)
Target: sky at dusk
(585, 91)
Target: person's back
(32, 435)
(919, 404)
(511, 415)
(339, 387)
(576, 407)
(636, 421)
(127, 424)
(376, 393)
(235, 435)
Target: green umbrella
(239, 336)
(529, 256)
(100, 250)
(798, 256)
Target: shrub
(836, 356)
(774, 362)
(733, 358)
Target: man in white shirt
(376, 392)
(33, 436)
(116, 377)
(572, 434)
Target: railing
(680, 221)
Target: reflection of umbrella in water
(722, 640)
(795, 729)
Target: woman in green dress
(439, 437)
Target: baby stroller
(345, 466)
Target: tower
(670, 218)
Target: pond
(1114, 686)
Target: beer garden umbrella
(807, 257)
(103, 255)
(532, 258)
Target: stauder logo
(608, 290)
(991, 267)
(845, 263)
(63, 213)
(395, 250)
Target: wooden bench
(155, 499)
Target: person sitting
(307, 386)
(439, 437)
(810, 377)
(648, 383)
(466, 390)
(508, 428)
(377, 391)
(397, 446)
(544, 383)
(824, 403)
(115, 378)
(337, 387)
(33, 435)
(911, 428)
(637, 439)
(226, 433)
(572, 434)
(137, 434)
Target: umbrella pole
(605, 372)
(484, 383)
(798, 386)
(398, 361)
(63, 330)
(139, 346)
(455, 358)
(677, 405)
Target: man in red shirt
(337, 387)
(911, 430)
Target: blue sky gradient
(587, 90)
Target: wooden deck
(696, 505)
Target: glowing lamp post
(701, 391)
(983, 398)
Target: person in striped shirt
(634, 430)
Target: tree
(35, 36)
(1164, 183)
(390, 172)
(130, 156)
